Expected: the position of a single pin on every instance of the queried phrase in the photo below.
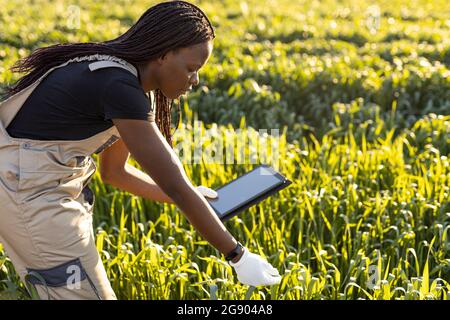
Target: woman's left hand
(207, 192)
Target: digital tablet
(246, 191)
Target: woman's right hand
(253, 270)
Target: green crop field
(360, 94)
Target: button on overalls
(46, 206)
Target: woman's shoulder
(81, 70)
(79, 75)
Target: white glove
(253, 270)
(207, 192)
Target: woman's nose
(194, 79)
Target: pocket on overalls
(40, 171)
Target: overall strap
(105, 61)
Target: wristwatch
(235, 252)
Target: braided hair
(164, 27)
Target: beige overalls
(46, 206)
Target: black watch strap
(235, 252)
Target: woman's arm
(150, 149)
(115, 171)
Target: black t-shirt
(74, 103)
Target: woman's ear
(166, 55)
(161, 59)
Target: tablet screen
(244, 189)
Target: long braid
(164, 27)
(163, 115)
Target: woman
(76, 100)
